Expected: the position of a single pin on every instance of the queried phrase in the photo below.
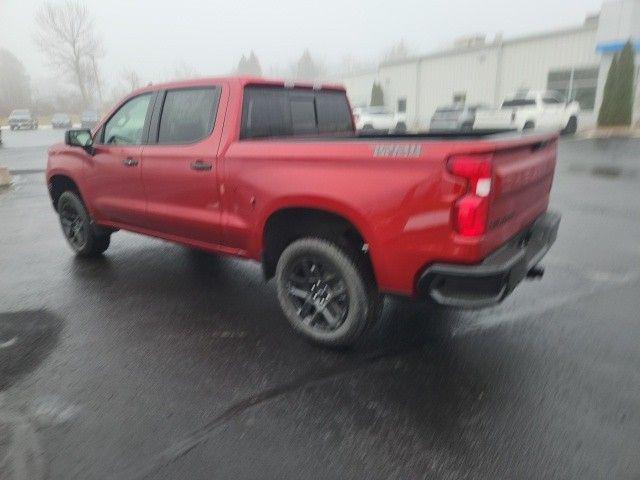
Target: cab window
(551, 100)
(126, 126)
(188, 115)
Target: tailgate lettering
(397, 150)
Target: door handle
(130, 162)
(201, 166)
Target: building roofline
(490, 46)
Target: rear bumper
(488, 283)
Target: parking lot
(157, 361)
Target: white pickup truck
(371, 119)
(529, 110)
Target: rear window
(279, 112)
(376, 111)
(188, 115)
(449, 109)
(519, 102)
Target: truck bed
(493, 133)
(395, 188)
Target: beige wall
(399, 81)
(359, 87)
(472, 72)
(487, 75)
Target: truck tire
(401, 127)
(82, 236)
(572, 127)
(327, 293)
(529, 125)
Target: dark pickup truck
(22, 119)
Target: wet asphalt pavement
(156, 361)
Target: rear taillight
(471, 211)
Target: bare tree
(182, 70)
(131, 80)
(66, 35)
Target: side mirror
(79, 138)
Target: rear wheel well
(58, 184)
(285, 226)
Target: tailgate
(493, 119)
(521, 186)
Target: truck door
(113, 177)
(552, 112)
(179, 165)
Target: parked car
(22, 118)
(89, 119)
(338, 219)
(457, 117)
(529, 110)
(372, 119)
(61, 120)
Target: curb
(609, 133)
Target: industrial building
(574, 61)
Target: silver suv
(457, 117)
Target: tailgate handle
(539, 146)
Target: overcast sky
(152, 36)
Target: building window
(402, 105)
(460, 97)
(579, 84)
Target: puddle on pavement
(26, 338)
(609, 172)
(604, 171)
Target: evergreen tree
(253, 65)
(306, 68)
(242, 65)
(249, 66)
(604, 115)
(377, 95)
(617, 101)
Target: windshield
(518, 102)
(450, 109)
(374, 111)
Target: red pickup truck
(275, 172)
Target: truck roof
(241, 81)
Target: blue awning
(615, 46)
